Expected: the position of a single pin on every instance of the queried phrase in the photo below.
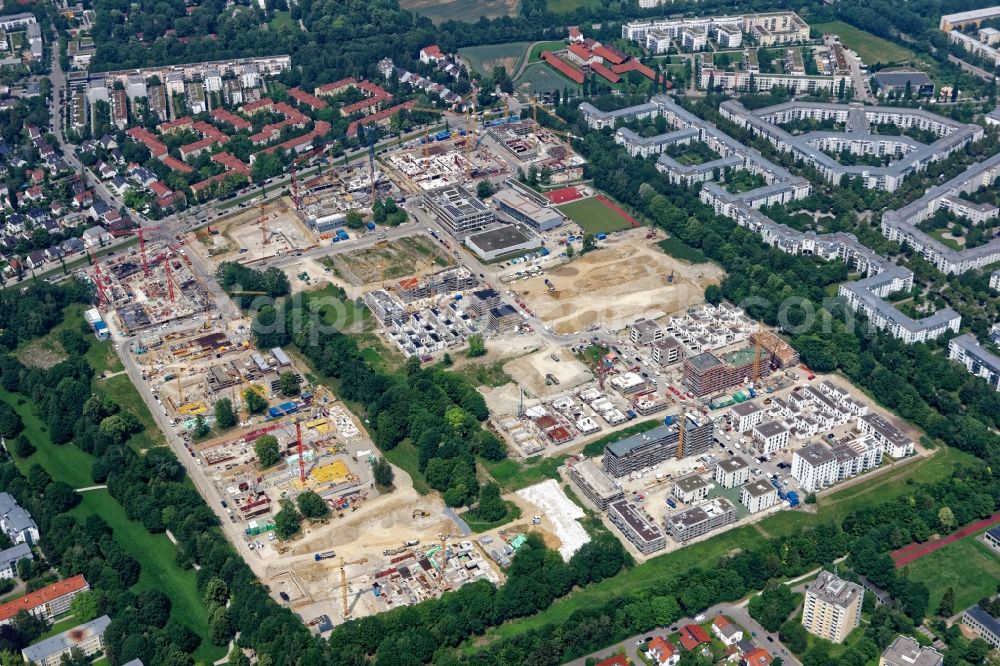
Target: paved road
(971, 69)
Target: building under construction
(442, 282)
(783, 353)
(653, 447)
(707, 374)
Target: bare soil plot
(388, 261)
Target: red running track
(914, 552)
(615, 207)
(564, 195)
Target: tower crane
(141, 233)
(102, 298)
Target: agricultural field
(461, 10)
(567, 6)
(595, 217)
(966, 566)
(539, 78)
(871, 48)
(484, 58)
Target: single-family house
(662, 651)
(96, 236)
(692, 635)
(727, 632)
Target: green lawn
(871, 48)
(538, 49)
(678, 249)
(283, 20)
(966, 566)
(567, 6)
(514, 475)
(154, 553)
(468, 11)
(484, 58)
(125, 394)
(405, 457)
(538, 78)
(939, 234)
(484, 374)
(59, 627)
(594, 217)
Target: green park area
(461, 10)
(484, 59)
(871, 48)
(594, 217)
(966, 566)
(539, 78)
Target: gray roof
(12, 556)
(66, 640)
(815, 454)
(734, 464)
(759, 488)
(987, 621)
(499, 238)
(15, 518)
(746, 408)
(902, 78)
(691, 483)
(834, 590)
(904, 651)
(770, 429)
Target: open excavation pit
(240, 238)
(613, 286)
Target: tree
(10, 421)
(200, 426)
(811, 498)
(84, 606)
(255, 403)
(589, 242)
(225, 417)
(220, 629)
(947, 606)
(794, 635)
(354, 220)
(216, 592)
(311, 505)
(946, 517)
(713, 294)
(289, 383)
(382, 473)
(286, 521)
(773, 606)
(569, 251)
(477, 345)
(484, 189)
(23, 446)
(491, 506)
(266, 448)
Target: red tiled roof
(432, 51)
(563, 67)
(43, 596)
(721, 622)
(574, 32)
(663, 647)
(692, 635)
(259, 105)
(336, 86)
(231, 162)
(634, 65)
(302, 96)
(231, 118)
(756, 657)
(581, 51)
(171, 125)
(176, 164)
(159, 189)
(617, 660)
(352, 129)
(613, 55)
(605, 72)
(145, 137)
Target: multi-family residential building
(653, 447)
(895, 443)
(666, 351)
(645, 331)
(699, 520)
(758, 495)
(832, 607)
(985, 625)
(690, 488)
(86, 639)
(11, 556)
(814, 467)
(746, 415)
(644, 535)
(594, 482)
(966, 350)
(904, 651)
(16, 522)
(770, 436)
(47, 602)
(732, 472)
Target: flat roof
(815, 454)
(759, 488)
(515, 200)
(596, 478)
(886, 429)
(746, 408)
(734, 464)
(631, 515)
(499, 238)
(690, 483)
(66, 640)
(704, 361)
(905, 650)
(770, 429)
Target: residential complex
(643, 533)
(758, 495)
(732, 472)
(817, 466)
(15, 522)
(832, 607)
(966, 350)
(594, 483)
(699, 520)
(692, 34)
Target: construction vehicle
(548, 283)
(325, 555)
(420, 513)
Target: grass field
(541, 47)
(468, 11)
(404, 456)
(484, 58)
(872, 49)
(678, 249)
(567, 6)
(594, 217)
(154, 553)
(966, 566)
(283, 20)
(539, 78)
(514, 475)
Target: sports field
(871, 48)
(966, 566)
(594, 216)
(484, 58)
(539, 78)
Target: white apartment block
(746, 415)
(744, 81)
(644, 331)
(758, 495)
(770, 29)
(814, 467)
(691, 488)
(895, 443)
(966, 350)
(732, 472)
(832, 607)
(770, 436)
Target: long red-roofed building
(563, 67)
(308, 99)
(379, 118)
(610, 54)
(634, 65)
(175, 125)
(47, 602)
(145, 137)
(231, 162)
(225, 116)
(336, 87)
(598, 68)
(176, 164)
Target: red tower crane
(98, 280)
(263, 223)
(170, 280)
(302, 460)
(295, 189)
(141, 233)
